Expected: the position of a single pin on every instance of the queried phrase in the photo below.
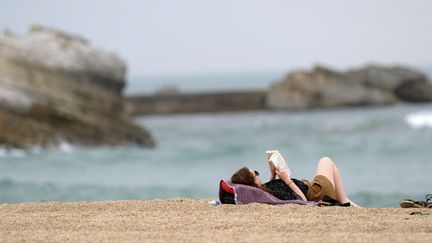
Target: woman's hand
(282, 173)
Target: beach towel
(243, 194)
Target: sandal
(408, 203)
(429, 200)
(328, 201)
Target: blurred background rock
(371, 85)
(55, 87)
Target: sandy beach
(193, 220)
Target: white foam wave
(2, 152)
(65, 147)
(17, 153)
(419, 119)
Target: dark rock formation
(54, 86)
(370, 85)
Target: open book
(278, 161)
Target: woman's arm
(272, 171)
(283, 174)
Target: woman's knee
(325, 166)
(326, 160)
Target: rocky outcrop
(371, 85)
(56, 87)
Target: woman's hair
(245, 177)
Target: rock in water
(55, 87)
(371, 85)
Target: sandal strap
(428, 198)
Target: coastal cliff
(55, 87)
(370, 85)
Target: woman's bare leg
(327, 168)
(339, 187)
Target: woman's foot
(351, 202)
(354, 205)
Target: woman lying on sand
(327, 182)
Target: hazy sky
(199, 36)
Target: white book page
(279, 162)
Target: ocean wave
(12, 191)
(383, 200)
(65, 147)
(419, 119)
(16, 153)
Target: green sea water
(384, 154)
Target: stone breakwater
(199, 102)
(56, 87)
(320, 87)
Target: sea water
(384, 154)
(191, 83)
(208, 82)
